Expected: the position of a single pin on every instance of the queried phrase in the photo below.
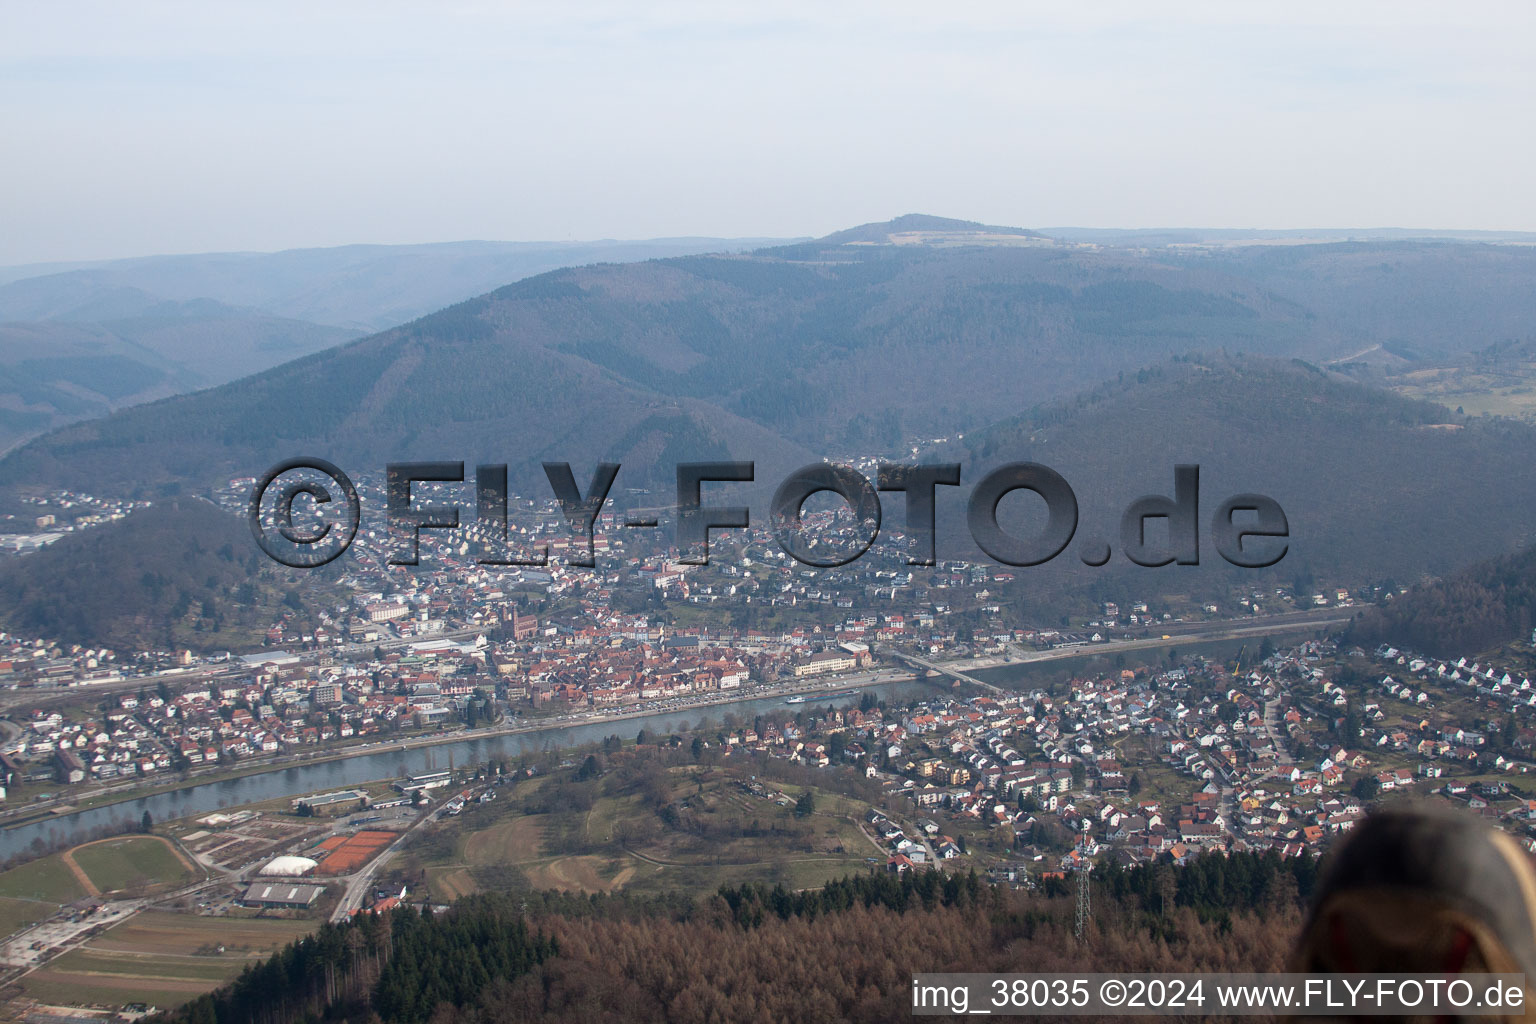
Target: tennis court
(355, 851)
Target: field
(1508, 390)
(48, 879)
(17, 914)
(161, 958)
(138, 863)
(1159, 782)
(709, 831)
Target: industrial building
(418, 783)
(341, 802)
(278, 895)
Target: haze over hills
(53, 373)
(921, 327)
(79, 341)
(1376, 488)
(1290, 236)
(1407, 301)
(360, 288)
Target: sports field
(135, 863)
(125, 864)
(47, 879)
(355, 851)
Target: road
(1227, 809)
(1205, 632)
(33, 697)
(358, 884)
(944, 668)
(1189, 633)
(1271, 723)
(60, 934)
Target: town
(877, 717)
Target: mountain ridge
(173, 324)
(821, 349)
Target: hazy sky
(132, 128)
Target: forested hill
(182, 574)
(1476, 610)
(847, 952)
(1376, 487)
(856, 343)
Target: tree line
(846, 951)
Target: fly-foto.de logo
(1247, 530)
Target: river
(392, 762)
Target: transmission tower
(1084, 905)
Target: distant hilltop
(923, 229)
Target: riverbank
(111, 796)
(295, 774)
(387, 761)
